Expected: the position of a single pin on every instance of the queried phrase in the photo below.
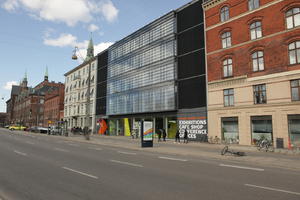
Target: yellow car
(17, 127)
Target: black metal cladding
(191, 40)
(189, 16)
(101, 83)
(192, 93)
(191, 57)
(186, 64)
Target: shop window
(258, 61)
(226, 40)
(253, 4)
(228, 97)
(224, 14)
(261, 128)
(294, 52)
(227, 68)
(260, 95)
(230, 130)
(292, 18)
(255, 30)
(295, 89)
(294, 130)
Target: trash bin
(279, 143)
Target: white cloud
(9, 84)
(93, 28)
(62, 41)
(97, 49)
(67, 11)
(10, 5)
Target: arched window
(224, 14)
(258, 61)
(294, 53)
(227, 67)
(226, 39)
(253, 4)
(255, 30)
(292, 18)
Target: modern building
(253, 69)
(54, 106)
(76, 88)
(156, 74)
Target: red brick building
(54, 105)
(253, 66)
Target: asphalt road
(33, 167)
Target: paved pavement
(36, 166)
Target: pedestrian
(177, 137)
(185, 137)
(164, 134)
(159, 135)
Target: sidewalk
(200, 150)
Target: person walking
(177, 137)
(164, 134)
(159, 135)
(185, 137)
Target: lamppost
(86, 129)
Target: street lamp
(88, 100)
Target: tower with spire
(90, 50)
(46, 77)
(24, 82)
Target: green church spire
(90, 50)
(46, 77)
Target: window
(255, 30)
(227, 67)
(294, 52)
(226, 39)
(260, 95)
(228, 97)
(258, 61)
(224, 14)
(292, 18)
(295, 89)
(253, 4)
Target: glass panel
(229, 42)
(225, 71)
(295, 94)
(261, 64)
(230, 70)
(231, 100)
(226, 92)
(298, 55)
(255, 67)
(230, 130)
(292, 57)
(297, 44)
(258, 32)
(254, 55)
(297, 20)
(289, 22)
(229, 61)
(294, 130)
(260, 54)
(226, 103)
(224, 43)
(262, 129)
(292, 46)
(256, 3)
(294, 83)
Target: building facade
(76, 88)
(54, 106)
(253, 67)
(156, 74)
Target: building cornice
(211, 3)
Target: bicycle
(265, 144)
(226, 150)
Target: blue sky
(39, 33)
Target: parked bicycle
(265, 145)
(226, 150)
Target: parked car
(38, 129)
(7, 126)
(17, 127)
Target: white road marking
(128, 153)
(79, 172)
(28, 142)
(175, 159)
(126, 163)
(59, 149)
(75, 145)
(242, 167)
(273, 189)
(20, 153)
(97, 149)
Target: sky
(40, 34)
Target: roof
(15, 90)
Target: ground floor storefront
(193, 122)
(80, 122)
(279, 124)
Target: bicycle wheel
(224, 150)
